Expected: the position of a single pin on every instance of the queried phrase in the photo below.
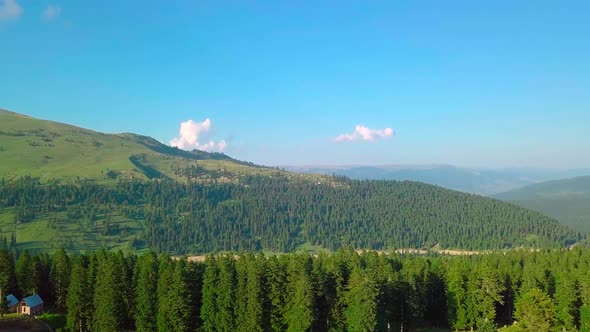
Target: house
(30, 305)
(11, 302)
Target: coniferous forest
(275, 214)
(106, 291)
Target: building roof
(12, 301)
(33, 300)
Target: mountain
(471, 180)
(56, 151)
(264, 213)
(64, 186)
(566, 200)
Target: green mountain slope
(263, 213)
(63, 186)
(566, 200)
(483, 181)
(52, 150)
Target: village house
(12, 303)
(31, 305)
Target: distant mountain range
(565, 200)
(472, 180)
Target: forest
(520, 290)
(274, 214)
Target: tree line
(281, 214)
(346, 291)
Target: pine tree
(165, 279)
(298, 313)
(361, 300)
(225, 301)
(535, 311)
(27, 275)
(457, 297)
(194, 281)
(209, 303)
(584, 288)
(79, 299)
(485, 290)
(109, 314)
(254, 294)
(178, 295)
(567, 301)
(241, 300)
(7, 273)
(276, 276)
(60, 277)
(147, 296)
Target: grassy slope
(52, 150)
(565, 200)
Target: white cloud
(51, 12)
(191, 136)
(10, 10)
(364, 133)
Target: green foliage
(55, 321)
(457, 296)
(226, 295)
(60, 277)
(276, 214)
(79, 298)
(209, 303)
(165, 277)
(298, 313)
(179, 300)
(567, 301)
(109, 295)
(361, 300)
(276, 277)
(566, 200)
(535, 311)
(147, 296)
(3, 305)
(7, 273)
(345, 291)
(27, 274)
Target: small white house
(31, 305)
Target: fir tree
(361, 300)
(225, 301)
(147, 296)
(165, 279)
(79, 298)
(209, 303)
(60, 277)
(179, 300)
(298, 313)
(26, 274)
(535, 312)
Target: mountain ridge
(567, 200)
(65, 186)
(484, 181)
(54, 150)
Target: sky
(468, 83)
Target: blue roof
(33, 300)
(12, 301)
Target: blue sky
(471, 83)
